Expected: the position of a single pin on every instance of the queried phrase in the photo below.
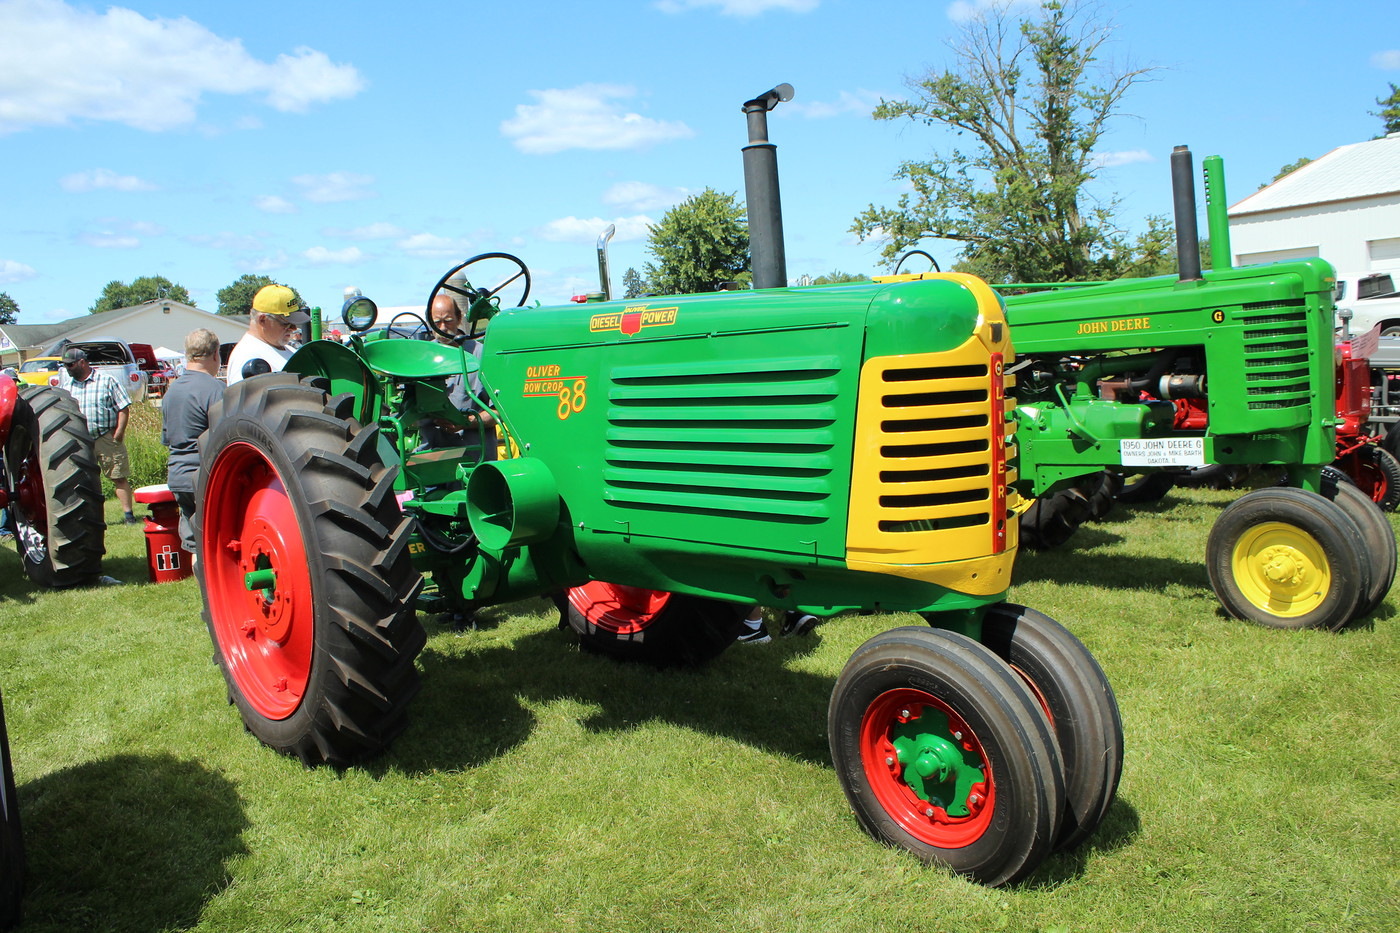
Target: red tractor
(1360, 454)
(50, 488)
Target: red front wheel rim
(927, 769)
(621, 610)
(258, 578)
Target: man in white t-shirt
(276, 314)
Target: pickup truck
(1371, 299)
(115, 356)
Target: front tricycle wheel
(943, 751)
(303, 561)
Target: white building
(1344, 207)
(158, 323)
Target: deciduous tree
(142, 289)
(632, 284)
(1390, 111)
(699, 244)
(237, 296)
(9, 309)
(1035, 97)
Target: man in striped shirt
(104, 404)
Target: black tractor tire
(319, 660)
(12, 862)
(1101, 490)
(1375, 471)
(942, 750)
(1053, 519)
(55, 488)
(1287, 558)
(655, 627)
(1145, 488)
(1379, 540)
(1215, 476)
(1079, 703)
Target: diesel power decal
(548, 382)
(632, 320)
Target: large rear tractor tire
(1379, 538)
(1287, 558)
(1051, 520)
(1145, 488)
(635, 624)
(1077, 699)
(304, 565)
(52, 477)
(943, 751)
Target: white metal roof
(1360, 170)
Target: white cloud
(641, 196)
(861, 102)
(241, 242)
(1388, 60)
(1126, 157)
(65, 63)
(432, 246)
(11, 271)
(585, 117)
(108, 239)
(146, 228)
(272, 204)
(960, 11)
(320, 256)
(264, 264)
(103, 178)
(375, 231)
(741, 8)
(580, 230)
(336, 186)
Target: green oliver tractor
(1235, 366)
(674, 460)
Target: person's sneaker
(798, 623)
(754, 636)
(130, 519)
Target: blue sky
(376, 145)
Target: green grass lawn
(541, 789)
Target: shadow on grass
(134, 842)
(1072, 564)
(1120, 827)
(474, 709)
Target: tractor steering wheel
(480, 299)
(418, 328)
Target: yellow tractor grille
(929, 478)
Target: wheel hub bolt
(904, 713)
(929, 813)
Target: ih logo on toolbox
(632, 320)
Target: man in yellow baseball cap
(276, 314)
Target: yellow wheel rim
(1281, 569)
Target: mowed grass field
(538, 788)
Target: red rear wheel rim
(622, 610)
(266, 634)
(922, 808)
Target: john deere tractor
(1233, 366)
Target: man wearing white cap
(276, 314)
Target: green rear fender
(345, 371)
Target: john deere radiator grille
(748, 437)
(1275, 355)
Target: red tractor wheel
(303, 561)
(1079, 703)
(942, 750)
(54, 487)
(637, 624)
(1375, 471)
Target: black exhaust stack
(1188, 242)
(761, 192)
